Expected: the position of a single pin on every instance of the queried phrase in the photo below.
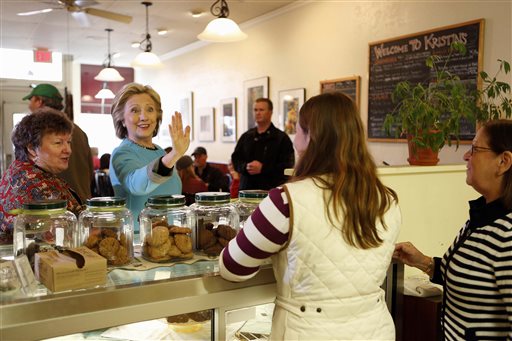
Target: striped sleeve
(264, 234)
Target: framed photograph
(254, 89)
(206, 117)
(349, 86)
(290, 102)
(228, 119)
(186, 108)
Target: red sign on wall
(42, 56)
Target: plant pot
(421, 156)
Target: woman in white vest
(330, 232)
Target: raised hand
(180, 137)
(180, 140)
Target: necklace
(148, 148)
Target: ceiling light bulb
(105, 93)
(222, 30)
(146, 59)
(116, 55)
(109, 74)
(196, 14)
(135, 44)
(162, 31)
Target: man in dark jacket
(79, 174)
(212, 176)
(264, 152)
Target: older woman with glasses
(476, 271)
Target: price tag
(25, 274)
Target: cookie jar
(217, 221)
(247, 202)
(106, 227)
(43, 225)
(166, 229)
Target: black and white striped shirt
(476, 273)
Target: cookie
(159, 235)
(121, 256)
(174, 251)
(183, 242)
(226, 232)
(206, 239)
(92, 241)
(159, 252)
(108, 247)
(177, 229)
(214, 250)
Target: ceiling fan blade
(108, 15)
(46, 10)
(85, 3)
(81, 18)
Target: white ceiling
(59, 31)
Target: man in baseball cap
(212, 176)
(80, 172)
(44, 95)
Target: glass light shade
(222, 30)
(109, 74)
(146, 59)
(105, 93)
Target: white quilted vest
(327, 289)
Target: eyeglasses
(477, 148)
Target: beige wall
(434, 204)
(316, 41)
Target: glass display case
(142, 295)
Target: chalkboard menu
(349, 86)
(403, 59)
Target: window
(19, 64)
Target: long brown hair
(338, 160)
(499, 135)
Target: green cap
(45, 90)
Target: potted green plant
(494, 99)
(429, 115)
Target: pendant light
(146, 58)
(221, 29)
(109, 74)
(105, 93)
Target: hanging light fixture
(146, 58)
(221, 29)
(105, 93)
(109, 74)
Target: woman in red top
(191, 183)
(42, 146)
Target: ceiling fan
(79, 10)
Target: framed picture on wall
(349, 86)
(89, 87)
(186, 108)
(290, 102)
(206, 118)
(228, 119)
(254, 89)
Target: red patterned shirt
(24, 182)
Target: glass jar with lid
(43, 225)
(106, 227)
(166, 229)
(217, 221)
(248, 201)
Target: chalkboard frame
(357, 79)
(480, 44)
